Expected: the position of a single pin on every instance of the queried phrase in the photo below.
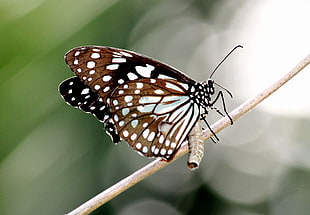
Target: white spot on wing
(193, 89)
(125, 133)
(174, 87)
(145, 133)
(133, 136)
(126, 54)
(139, 85)
(174, 98)
(97, 87)
(151, 136)
(165, 77)
(106, 78)
(112, 66)
(91, 64)
(163, 151)
(117, 54)
(167, 142)
(138, 145)
(145, 71)
(156, 151)
(145, 149)
(85, 91)
(134, 123)
(174, 102)
(161, 139)
(132, 76)
(106, 89)
(159, 91)
(115, 102)
(146, 108)
(125, 111)
(128, 98)
(91, 72)
(121, 123)
(118, 60)
(149, 99)
(184, 85)
(95, 55)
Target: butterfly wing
(105, 68)
(154, 116)
(148, 101)
(79, 95)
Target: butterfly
(151, 105)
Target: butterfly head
(209, 86)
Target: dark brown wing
(148, 101)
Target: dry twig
(157, 164)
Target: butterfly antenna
(238, 46)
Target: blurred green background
(54, 157)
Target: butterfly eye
(210, 86)
(210, 82)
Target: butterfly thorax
(202, 93)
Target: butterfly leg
(214, 135)
(218, 111)
(220, 95)
(196, 146)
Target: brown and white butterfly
(150, 105)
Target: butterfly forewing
(105, 68)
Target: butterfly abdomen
(195, 146)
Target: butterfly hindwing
(153, 115)
(81, 96)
